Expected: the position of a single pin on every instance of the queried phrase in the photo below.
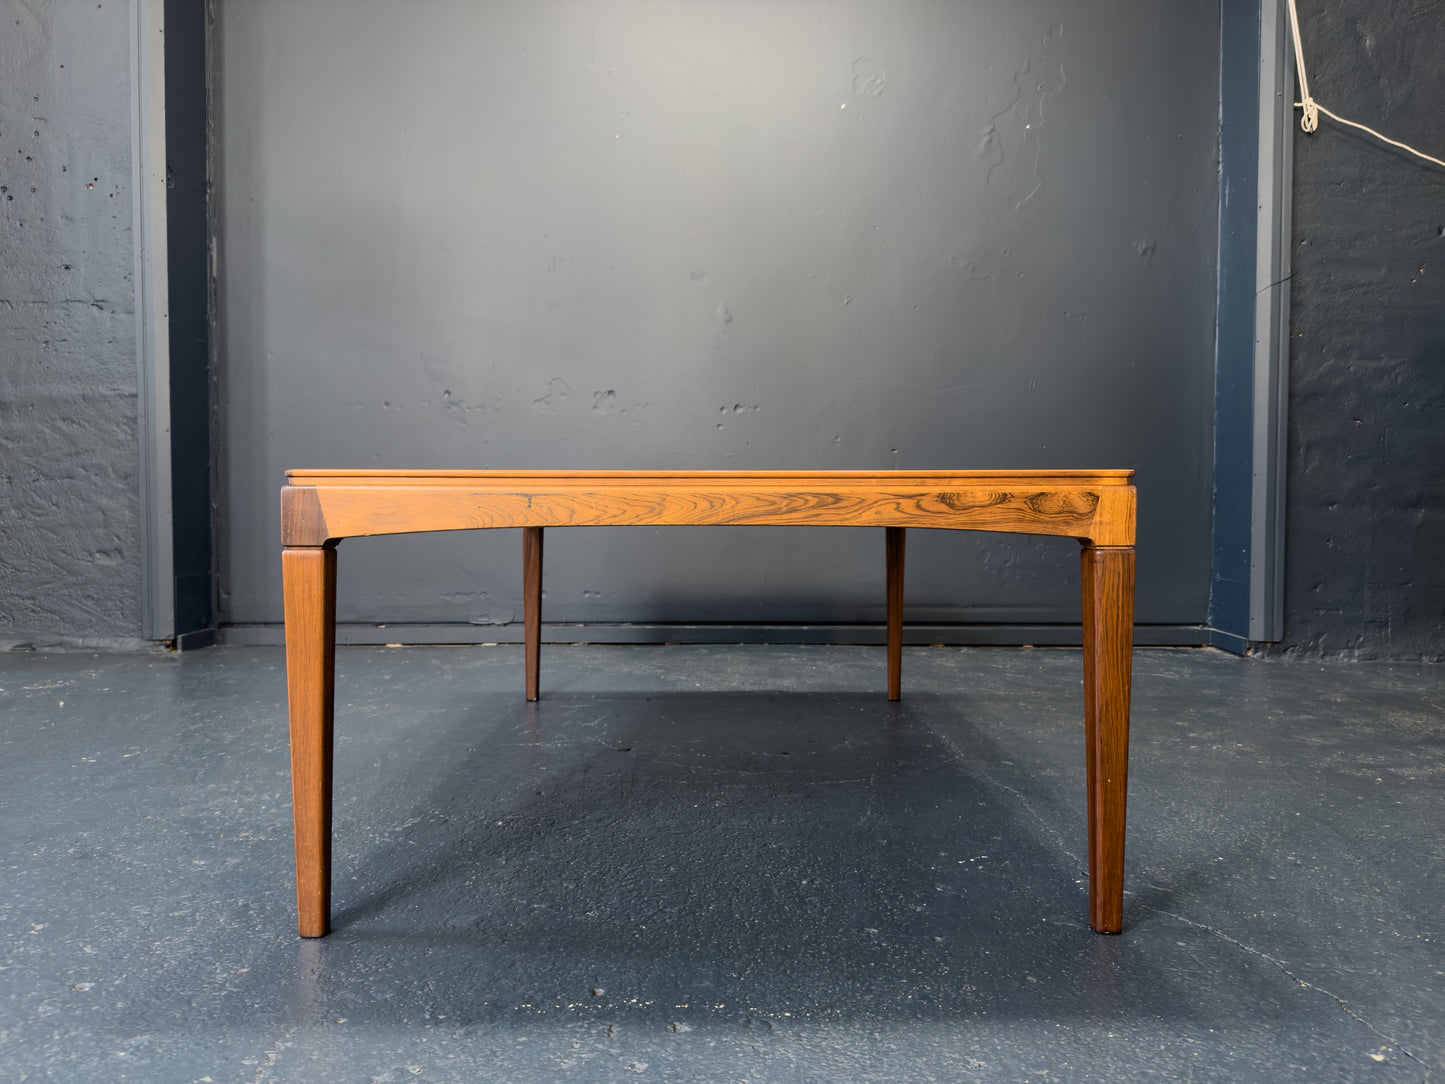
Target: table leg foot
(1108, 662)
(309, 585)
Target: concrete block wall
(1365, 541)
(70, 556)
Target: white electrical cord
(1312, 109)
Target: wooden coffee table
(319, 508)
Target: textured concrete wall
(1365, 558)
(69, 513)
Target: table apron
(317, 515)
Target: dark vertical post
(188, 286)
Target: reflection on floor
(720, 863)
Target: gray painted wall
(1365, 552)
(69, 511)
(712, 235)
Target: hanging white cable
(1310, 120)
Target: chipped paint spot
(557, 397)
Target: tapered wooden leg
(532, 607)
(309, 583)
(1108, 667)
(896, 539)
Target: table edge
(1089, 478)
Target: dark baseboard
(945, 635)
(192, 641)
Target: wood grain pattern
(321, 507)
(309, 584)
(532, 607)
(1108, 576)
(302, 521)
(1094, 506)
(896, 540)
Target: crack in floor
(1022, 799)
(1343, 1004)
(971, 768)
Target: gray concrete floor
(720, 864)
